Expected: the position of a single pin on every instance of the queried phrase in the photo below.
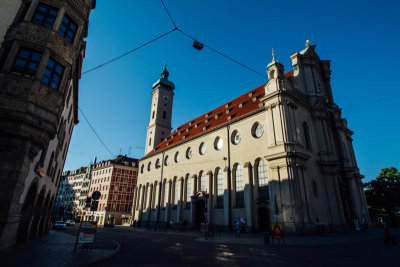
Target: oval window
(236, 137)
(149, 166)
(166, 160)
(202, 148)
(257, 130)
(157, 163)
(218, 143)
(177, 157)
(189, 153)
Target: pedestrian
(388, 236)
(237, 228)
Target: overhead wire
(94, 131)
(224, 55)
(170, 17)
(130, 51)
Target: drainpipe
(229, 181)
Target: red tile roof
(229, 112)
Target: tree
(383, 193)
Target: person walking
(388, 236)
(237, 228)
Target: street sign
(86, 234)
(96, 195)
(204, 227)
(277, 230)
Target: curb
(115, 251)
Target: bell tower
(160, 111)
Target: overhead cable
(90, 125)
(130, 51)
(224, 55)
(166, 9)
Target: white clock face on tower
(165, 98)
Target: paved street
(148, 248)
(125, 246)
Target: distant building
(279, 153)
(41, 55)
(71, 195)
(116, 180)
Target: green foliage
(383, 193)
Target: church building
(278, 153)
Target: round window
(177, 157)
(149, 166)
(236, 137)
(202, 148)
(257, 130)
(166, 160)
(218, 143)
(157, 163)
(189, 153)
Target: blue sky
(361, 38)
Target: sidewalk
(57, 249)
(291, 240)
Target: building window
(52, 74)
(154, 113)
(262, 173)
(177, 157)
(257, 130)
(220, 189)
(45, 16)
(164, 115)
(27, 61)
(239, 187)
(202, 182)
(218, 143)
(236, 137)
(188, 192)
(149, 166)
(176, 192)
(189, 153)
(67, 29)
(166, 160)
(307, 135)
(157, 163)
(165, 194)
(50, 163)
(202, 148)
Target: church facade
(279, 153)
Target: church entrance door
(199, 213)
(263, 219)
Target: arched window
(262, 174)
(203, 183)
(177, 192)
(149, 196)
(157, 194)
(154, 113)
(50, 163)
(150, 141)
(239, 186)
(307, 135)
(220, 189)
(189, 189)
(166, 190)
(164, 114)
